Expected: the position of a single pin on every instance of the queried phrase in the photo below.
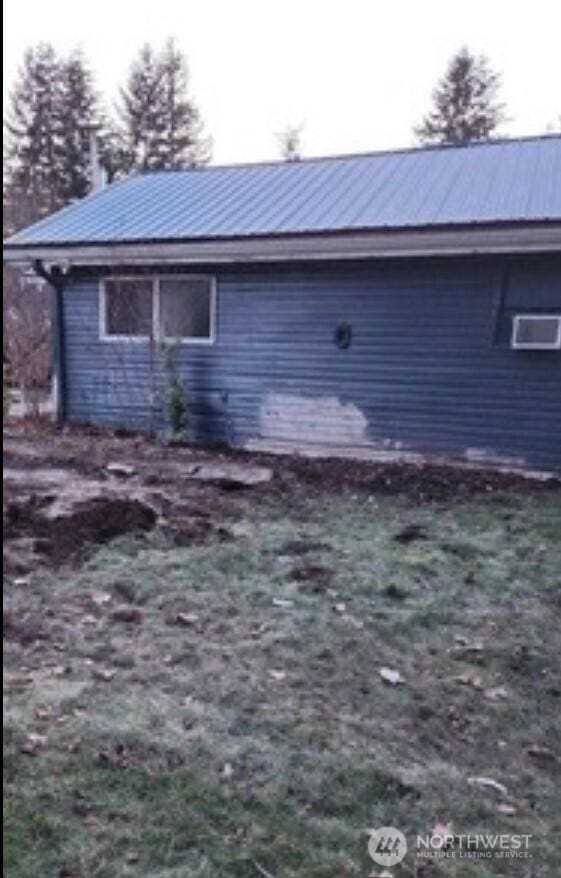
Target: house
(401, 302)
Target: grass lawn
(218, 709)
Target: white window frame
(156, 334)
(187, 339)
(535, 346)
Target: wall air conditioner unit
(536, 332)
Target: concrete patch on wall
(324, 419)
(488, 456)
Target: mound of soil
(421, 483)
(92, 521)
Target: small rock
(389, 675)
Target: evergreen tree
(466, 107)
(33, 135)
(140, 111)
(161, 126)
(182, 141)
(78, 118)
(53, 110)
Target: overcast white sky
(357, 74)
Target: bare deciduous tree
(27, 336)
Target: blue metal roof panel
(501, 181)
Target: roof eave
(449, 241)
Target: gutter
(538, 238)
(55, 279)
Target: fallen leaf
(541, 754)
(391, 676)
(258, 631)
(16, 681)
(466, 650)
(469, 679)
(490, 783)
(227, 771)
(187, 619)
(506, 809)
(93, 822)
(122, 470)
(444, 831)
(103, 674)
(496, 693)
(356, 623)
(33, 743)
(100, 598)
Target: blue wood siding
(429, 369)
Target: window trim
(535, 346)
(185, 339)
(156, 334)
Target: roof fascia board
(364, 245)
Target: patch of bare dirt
(94, 521)
(312, 577)
(72, 488)
(302, 547)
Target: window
(167, 308)
(537, 332)
(186, 308)
(127, 308)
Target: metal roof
(509, 181)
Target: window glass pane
(185, 308)
(537, 331)
(128, 306)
